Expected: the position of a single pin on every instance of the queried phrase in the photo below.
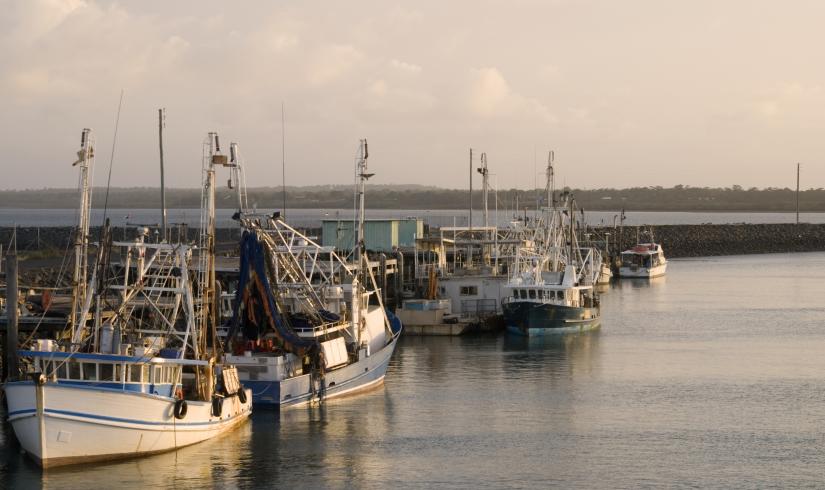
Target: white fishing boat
(308, 326)
(645, 260)
(134, 373)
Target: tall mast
(572, 259)
(206, 284)
(362, 175)
(165, 230)
(238, 177)
(81, 243)
(484, 174)
(550, 181)
(470, 221)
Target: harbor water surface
(713, 376)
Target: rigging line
(111, 161)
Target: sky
(626, 93)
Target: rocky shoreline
(731, 239)
(678, 240)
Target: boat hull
(362, 375)
(643, 272)
(535, 319)
(79, 424)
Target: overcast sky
(627, 93)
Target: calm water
(712, 377)
(438, 217)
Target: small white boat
(645, 260)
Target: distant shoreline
(388, 197)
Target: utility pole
(165, 235)
(797, 193)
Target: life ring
(180, 409)
(242, 395)
(217, 407)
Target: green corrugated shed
(380, 235)
(408, 230)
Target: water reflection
(638, 282)
(551, 355)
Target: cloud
(405, 67)
(331, 63)
(490, 96)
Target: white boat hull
(362, 375)
(79, 424)
(644, 272)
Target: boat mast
(362, 182)
(551, 203)
(81, 244)
(484, 179)
(206, 270)
(165, 230)
(359, 320)
(572, 260)
(470, 221)
(238, 177)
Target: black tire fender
(180, 409)
(242, 395)
(217, 406)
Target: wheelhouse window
(134, 374)
(469, 290)
(107, 372)
(532, 294)
(74, 370)
(90, 371)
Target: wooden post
(10, 364)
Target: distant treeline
(678, 198)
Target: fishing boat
(645, 260)
(134, 373)
(537, 305)
(307, 326)
(551, 288)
